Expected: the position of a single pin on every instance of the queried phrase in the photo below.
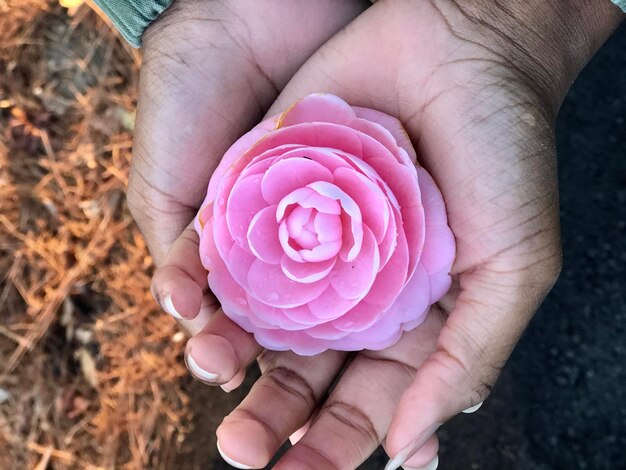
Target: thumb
(490, 314)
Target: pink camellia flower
(319, 232)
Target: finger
(180, 285)
(489, 317)
(354, 419)
(280, 402)
(209, 71)
(235, 382)
(426, 458)
(218, 353)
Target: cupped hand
(210, 70)
(477, 87)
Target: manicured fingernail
(168, 306)
(408, 452)
(299, 434)
(471, 409)
(198, 371)
(434, 463)
(227, 387)
(230, 461)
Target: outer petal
(239, 148)
(368, 197)
(391, 279)
(297, 341)
(440, 283)
(244, 201)
(317, 107)
(414, 300)
(404, 184)
(393, 125)
(440, 245)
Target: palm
(486, 140)
(209, 71)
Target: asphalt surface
(561, 400)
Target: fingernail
(230, 461)
(408, 452)
(471, 409)
(434, 463)
(198, 371)
(229, 387)
(168, 306)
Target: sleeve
(621, 4)
(132, 17)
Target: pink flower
(319, 232)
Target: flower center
(301, 228)
(308, 233)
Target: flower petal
(404, 184)
(262, 236)
(321, 252)
(352, 227)
(306, 272)
(307, 198)
(368, 197)
(239, 148)
(268, 283)
(330, 305)
(393, 125)
(272, 316)
(326, 331)
(438, 248)
(391, 279)
(440, 283)
(244, 201)
(414, 300)
(290, 174)
(328, 227)
(359, 318)
(353, 279)
(318, 107)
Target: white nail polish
(230, 461)
(199, 371)
(168, 306)
(431, 466)
(471, 409)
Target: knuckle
(471, 384)
(352, 418)
(290, 385)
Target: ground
(91, 373)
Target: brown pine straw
(90, 370)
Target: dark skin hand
(477, 86)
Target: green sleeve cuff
(621, 4)
(131, 18)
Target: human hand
(210, 70)
(477, 87)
